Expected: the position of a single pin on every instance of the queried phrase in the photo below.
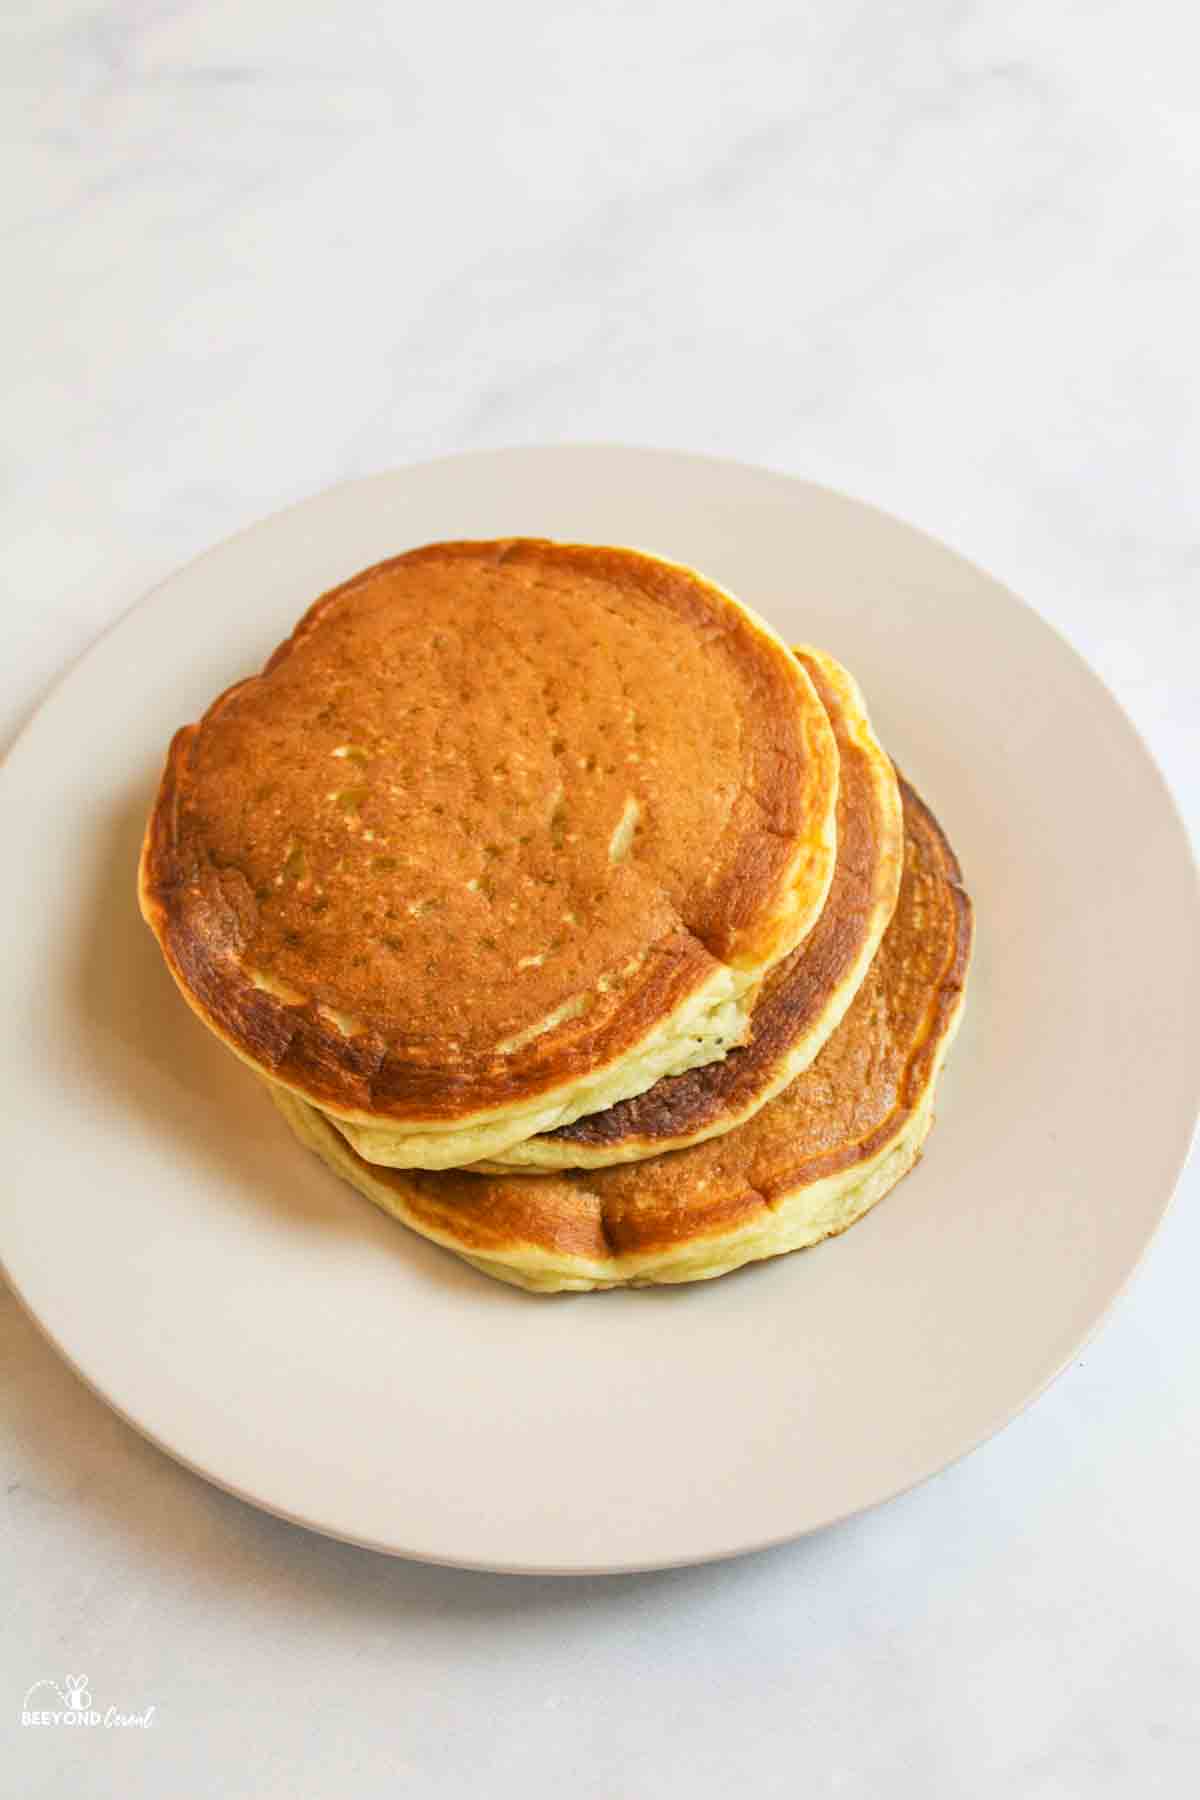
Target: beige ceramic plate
(264, 1324)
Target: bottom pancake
(815, 1158)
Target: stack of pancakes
(567, 912)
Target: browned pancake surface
(799, 989)
(390, 855)
(857, 1097)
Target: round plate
(267, 1326)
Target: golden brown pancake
(806, 1166)
(446, 870)
(802, 1000)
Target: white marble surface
(942, 256)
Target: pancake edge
(544, 1156)
(795, 1217)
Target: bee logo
(77, 1696)
(75, 1699)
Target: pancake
(806, 1166)
(444, 868)
(802, 1000)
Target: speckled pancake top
(462, 801)
(802, 999)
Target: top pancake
(804, 997)
(445, 867)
